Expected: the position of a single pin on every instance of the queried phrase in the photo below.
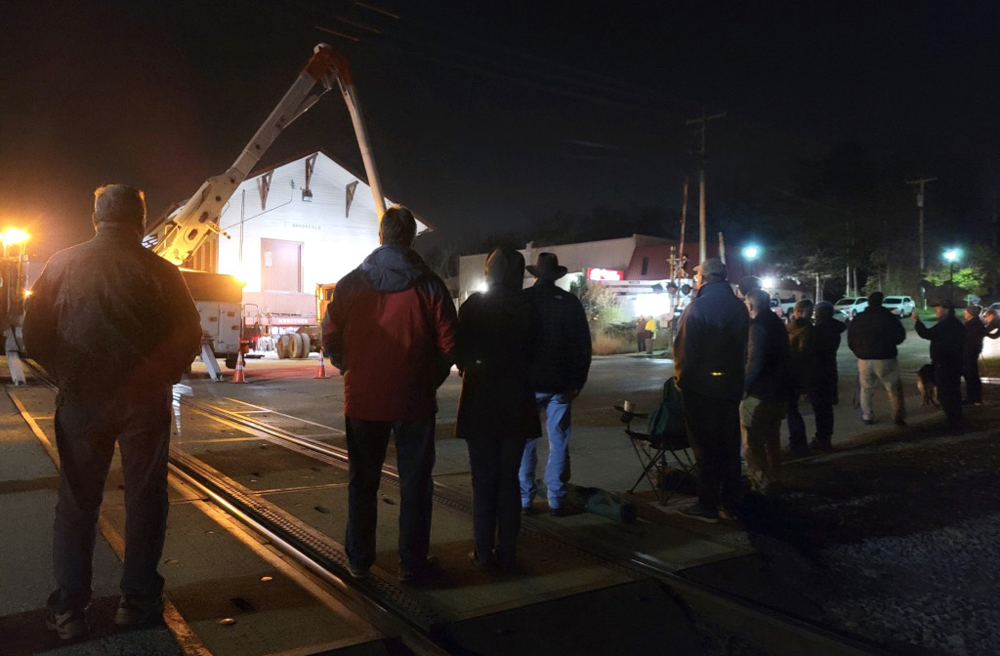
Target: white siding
(333, 244)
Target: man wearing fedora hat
(562, 362)
(947, 339)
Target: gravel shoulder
(895, 537)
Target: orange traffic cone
(321, 369)
(238, 374)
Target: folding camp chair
(652, 452)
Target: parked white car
(901, 305)
(847, 308)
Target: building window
(645, 265)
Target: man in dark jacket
(496, 409)
(823, 392)
(562, 363)
(975, 331)
(710, 352)
(873, 336)
(116, 326)
(768, 388)
(947, 339)
(802, 345)
(390, 329)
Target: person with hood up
(496, 408)
(391, 330)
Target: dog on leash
(927, 385)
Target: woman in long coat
(823, 374)
(496, 411)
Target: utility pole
(702, 124)
(920, 210)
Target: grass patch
(605, 344)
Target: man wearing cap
(947, 338)
(116, 327)
(562, 362)
(710, 353)
(873, 336)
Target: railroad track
(393, 610)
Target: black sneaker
(139, 611)
(796, 452)
(558, 511)
(357, 573)
(484, 565)
(900, 422)
(423, 573)
(821, 445)
(701, 513)
(69, 624)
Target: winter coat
(562, 349)
(769, 374)
(390, 328)
(824, 363)
(109, 317)
(802, 346)
(875, 333)
(975, 331)
(497, 333)
(710, 348)
(947, 339)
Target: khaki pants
(760, 424)
(871, 372)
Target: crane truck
(180, 233)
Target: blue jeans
(367, 442)
(558, 418)
(86, 433)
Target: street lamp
(951, 255)
(750, 254)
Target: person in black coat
(947, 339)
(802, 345)
(975, 331)
(769, 386)
(496, 412)
(823, 392)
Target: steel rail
(637, 567)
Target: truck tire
(299, 346)
(283, 346)
(231, 361)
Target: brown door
(280, 265)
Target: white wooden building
(290, 228)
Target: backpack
(668, 420)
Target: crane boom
(186, 228)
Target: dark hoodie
(496, 350)
(390, 329)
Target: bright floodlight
(484, 287)
(751, 252)
(952, 254)
(13, 236)
(768, 282)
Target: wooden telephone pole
(921, 183)
(702, 124)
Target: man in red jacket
(390, 329)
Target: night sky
(486, 119)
